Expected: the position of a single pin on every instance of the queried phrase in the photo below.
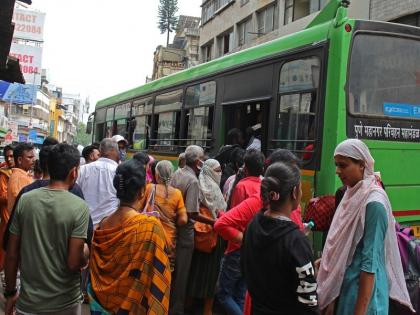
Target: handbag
(320, 211)
(205, 238)
(149, 207)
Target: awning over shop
(12, 72)
(17, 93)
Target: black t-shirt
(278, 267)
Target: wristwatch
(10, 293)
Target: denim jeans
(232, 288)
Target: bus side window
(109, 127)
(121, 118)
(298, 92)
(199, 106)
(139, 129)
(167, 121)
(100, 118)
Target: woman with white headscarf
(361, 266)
(209, 180)
(205, 267)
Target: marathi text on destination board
(386, 132)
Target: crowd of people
(139, 236)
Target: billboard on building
(12, 133)
(28, 25)
(30, 61)
(32, 135)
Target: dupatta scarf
(347, 230)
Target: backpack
(409, 248)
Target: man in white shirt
(252, 140)
(96, 181)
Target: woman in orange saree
(130, 272)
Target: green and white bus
(338, 78)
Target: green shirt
(45, 220)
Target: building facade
(57, 114)
(32, 119)
(51, 112)
(402, 11)
(187, 37)
(231, 25)
(182, 53)
(72, 104)
(167, 60)
(29, 120)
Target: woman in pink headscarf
(361, 266)
(149, 175)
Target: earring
(274, 195)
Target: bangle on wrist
(10, 293)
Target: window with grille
(267, 19)
(244, 30)
(211, 8)
(207, 52)
(297, 9)
(225, 43)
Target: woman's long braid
(166, 183)
(164, 170)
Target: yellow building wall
(52, 123)
(55, 114)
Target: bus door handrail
(282, 140)
(180, 139)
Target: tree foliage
(167, 17)
(82, 137)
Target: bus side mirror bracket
(89, 127)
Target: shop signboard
(29, 25)
(22, 138)
(32, 135)
(30, 61)
(12, 133)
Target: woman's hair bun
(130, 178)
(279, 181)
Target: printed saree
(130, 271)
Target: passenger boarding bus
(338, 78)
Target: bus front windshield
(384, 78)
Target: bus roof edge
(328, 13)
